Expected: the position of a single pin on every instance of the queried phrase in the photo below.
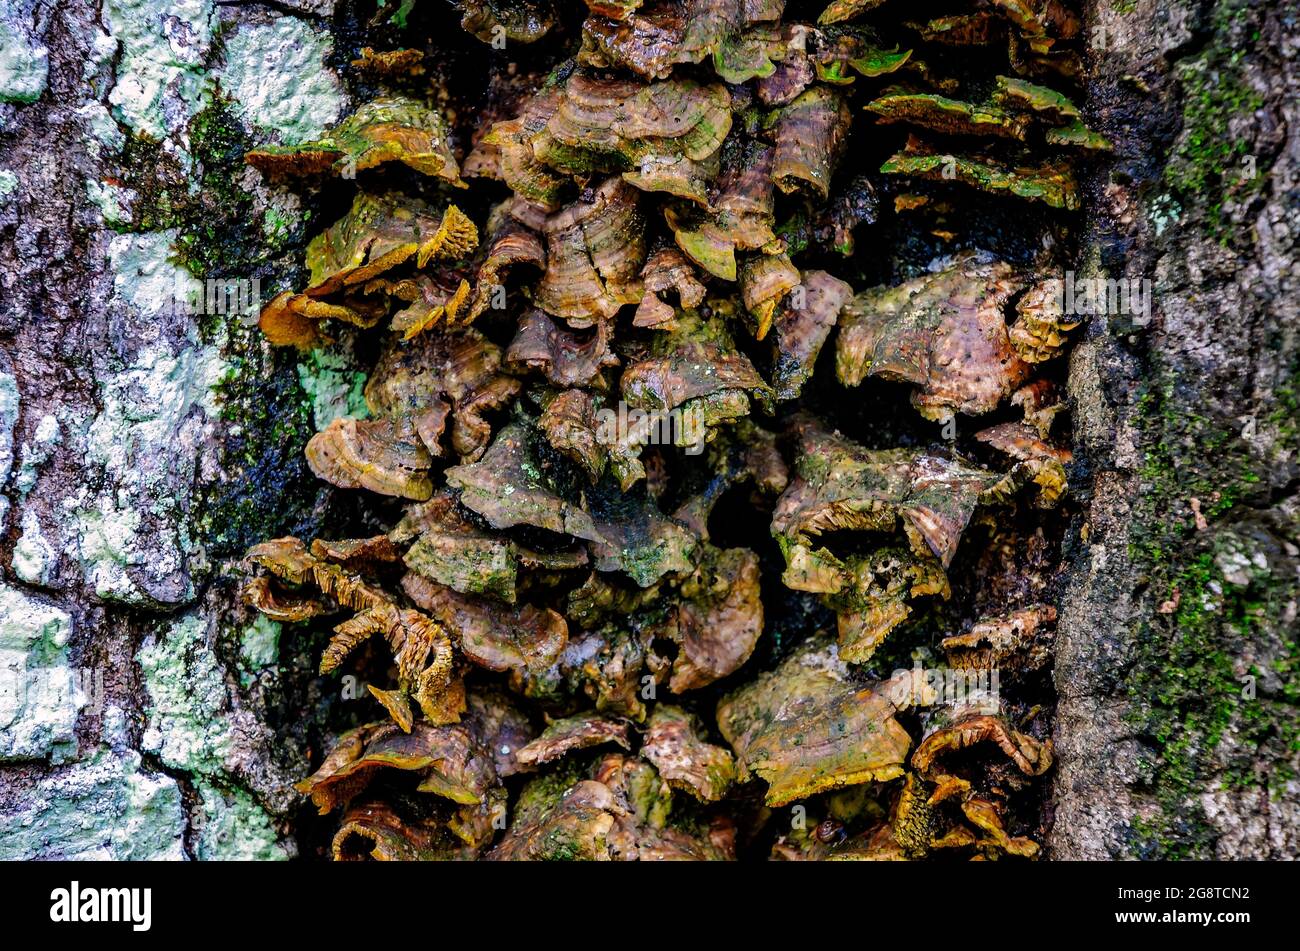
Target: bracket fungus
(840, 487)
(946, 333)
(387, 129)
(638, 546)
(806, 728)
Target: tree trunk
(145, 713)
(1176, 654)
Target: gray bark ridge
(1176, 663)
(136, 693)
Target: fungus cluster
(637, 594)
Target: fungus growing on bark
(572, 733)
(388, 129)
(673, 746)
(1050, 182)
(607, 473)
(806, 728)
(946, 333)
(840, 487)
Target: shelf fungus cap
(1051, 182)
(945, 333)
(386, 129)
(381, 455)
(447, 548)
(718, 618)
(378, 830)
(667, 269)
(573, 733)
(803, 324)
(810, 134)
(519, 21)
(806, 728)
(279, 605)
(563, 356)
(584, 821)
(683, 759)
(594, 254)
(841, 10)
(359, 753)
(1016, 638)
(1037, 461)
(1031, 756)
(840, 486)
(524, 640)
(949, 116)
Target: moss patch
(268, 489)
(1197, 690)
(1210, 166)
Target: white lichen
(113, 201)
(8, 185)
(37, 452)
(24, 60)
(33, 555)
(40, 696)
(232, 827)
(8, 420)
(276, 76)
(188, 725)
(107, 808)
(160, 75)
(146, 438)
(333, 386)
(259, 644)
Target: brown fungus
(673, 746)
(805, 728)
(390, 129)
(635, 484)
(945, 333)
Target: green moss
(158, 181)
(1185, 683)
(1209, 166)
(269, 490)
(221, 212)
(220, 232)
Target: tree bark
(1176, 651)
(145, 714)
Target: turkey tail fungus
(565, 557)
